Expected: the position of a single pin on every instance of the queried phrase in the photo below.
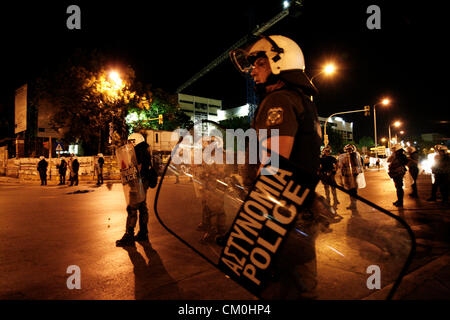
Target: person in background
(397, 169)
(62, 168)
(75, 168)
(42, 169)
(350, 165)
(441, 170)
(327, 172)
(69, 166)
(413, 160)
(100, 163)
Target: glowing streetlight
(114, 76)
(396, 124)
(328, 69)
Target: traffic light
(160, 119)
(367, 110)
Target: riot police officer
(42, 169)
(277, 66)
(327, 172)
(144, 162)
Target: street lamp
(396, 124)
(384, 102)
(114, 76)
(328, 69)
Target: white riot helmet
(396, 147)
(411, 149)
(326, 150)
(283, 54)
(350, 147)
(136, 138)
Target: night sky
(168, 42)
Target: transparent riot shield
(133, 188)
(278, 236)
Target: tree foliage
(88, 101)
(366, 142)
(236, 123)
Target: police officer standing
(413, 160)
(62, 168)
(350, 165)
(144, 163)
(327, 173)
(75, 168)
(42, 169)
(100, 163)
(397, 169)
(277, 66)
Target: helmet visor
(241, 62)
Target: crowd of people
(73, 166)
(400, 162)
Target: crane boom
(256, 32)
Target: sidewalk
(429, 282)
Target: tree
(366, 142)
(92, 103)
(87, 100)
(335, 139)
(160, 102)
(236, 123)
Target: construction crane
(290, 9)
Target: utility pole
(325, 136)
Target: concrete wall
(26, 169)
(3, 160)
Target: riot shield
(278, 236)
(133, 188)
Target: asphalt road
(46, 229)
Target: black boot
(398, 203)
(126, 241)
(414, 194)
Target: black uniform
(62, 168)
(397, 171)
(42, 169)
(327, 173)
(441, 171)
(291, 111)
(100, 163)
(413, 171)
(75, 168)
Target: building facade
(339, 125)
(200, 108)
